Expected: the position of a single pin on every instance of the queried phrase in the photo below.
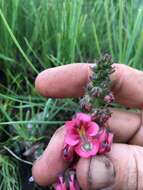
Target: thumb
(120, 169)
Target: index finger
(70, 80)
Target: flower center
(81, 132)
(87, 146)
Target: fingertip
(127, 83)
(95, 173)
(40, 178)
(46, 169)
(40, 85)
(63, 81)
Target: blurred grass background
(38, 34)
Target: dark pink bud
(73, 184)
(94, 116)
(68, 152)
(109, 98)
(67, 181)
(88, 107)
(85, 104)
(60, 185)
(101, 116)
(104, 118)
(105, 139)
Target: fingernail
(93, 65)
(101, 173)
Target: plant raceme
(86, 133)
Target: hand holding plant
(121, 167)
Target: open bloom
(80, 134)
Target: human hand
(122, 167)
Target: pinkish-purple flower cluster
(85, 137)
(86, 134)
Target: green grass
(8, 174)
(35, 35)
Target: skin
(121, 168)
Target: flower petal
(71, 139)
(102, 135)
(72, 186)
(102, 150)
(110, 138)
(72, 182)
(72, 136)
(109, 141)
(81, 151)
(92, 129)
(83, 117)
(60, 185)
(70, 124)
(105, 144)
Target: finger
(138, 135)
(70, 81)
(119, 169)
(64, 81)
(46, 169)
(127, 86)
(127, 126)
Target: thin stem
(15, 156)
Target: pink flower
(105, 139)
(73, 184)
(80, 133)
(60, 185)
(67, 181)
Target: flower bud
(89, 87)
(93, 115)
(109, 98)
(107, 57)
(101, 116)
(93, 77)
(68, 152)
(96, 91)
(85, 104)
